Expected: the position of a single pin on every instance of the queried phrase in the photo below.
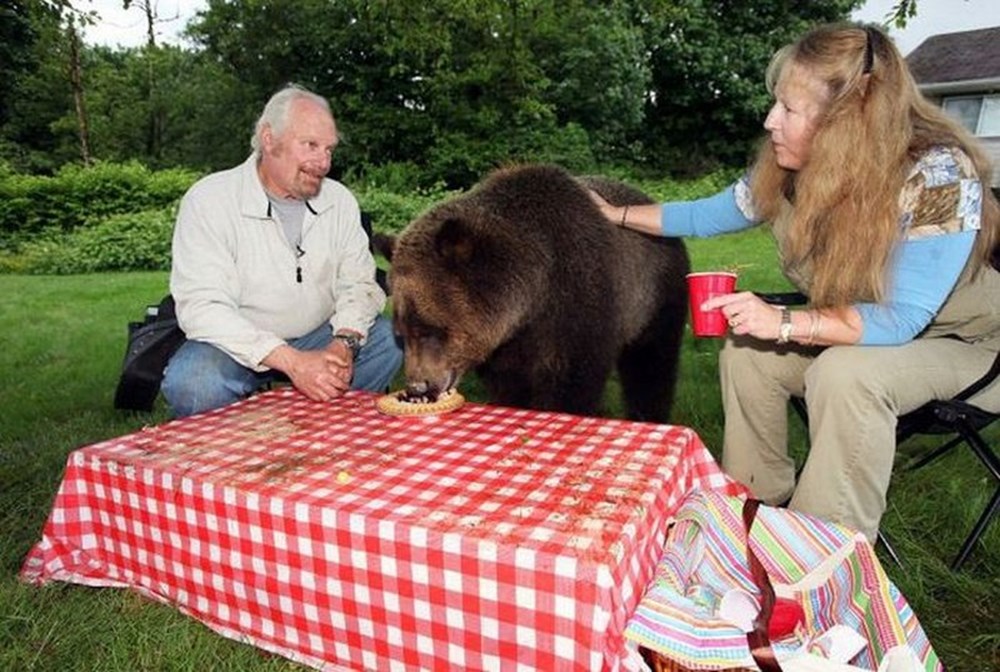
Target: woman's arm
(942, 206)
(701, 218)
(924, 273)
(939, 222)
(750, 315)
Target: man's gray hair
(277, 110)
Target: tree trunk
(154, 127)
(76, 82)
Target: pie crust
(394, 403)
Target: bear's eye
(426, 332)
(417, 329)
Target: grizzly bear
(525, 282)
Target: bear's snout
(430, 389)
(421, 389)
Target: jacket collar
(253, 199)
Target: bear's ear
(383, 244)
(454, 243)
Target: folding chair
(380, 274)
(958, 417)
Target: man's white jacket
(235, 278)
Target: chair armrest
(783, 298)
(983, 382)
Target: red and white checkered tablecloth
(489, 538)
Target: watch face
(351, 341)
(785, 330)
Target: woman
(882, 214)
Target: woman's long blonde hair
(875, 125)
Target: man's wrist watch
(352, 342)
(785, 328)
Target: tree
(36, 92)
(203, 120)
(17, 38)
(459, 85)
(75, 72)
(902, 12)
(708, 59)
(451, 87)
(593, 58)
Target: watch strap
(352, 342)
(785, 328)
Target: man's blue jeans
(200, 377)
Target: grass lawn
(61, 344)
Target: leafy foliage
(169, 106)
(455, 87)
(137, 241)
(391, 212)
(75, 196)
(120, 217)
(902, 12)
(17, 37)
(708, 60)
(35, 88)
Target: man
(272, 273)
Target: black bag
(151, 344)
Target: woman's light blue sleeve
(924, 271)
(707, 217)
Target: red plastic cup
(701, 288)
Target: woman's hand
(644, 218)
(748, 315)
(612, 213)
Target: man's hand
(321, 375)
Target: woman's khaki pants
(854, 394)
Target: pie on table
(405, 403)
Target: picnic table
(488, 538)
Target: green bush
(128, 242)
(397, 177)
(141, 240)
(77, 196)
(391, 212)
(460, 160)
(114, 236)
(667, 189)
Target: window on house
(979, 114)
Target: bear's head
(461, 283)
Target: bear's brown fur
(524, 281)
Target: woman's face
(799, 100)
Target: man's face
(294, 163)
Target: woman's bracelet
(815, 322)
(624, 216)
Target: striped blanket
(829, 569)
